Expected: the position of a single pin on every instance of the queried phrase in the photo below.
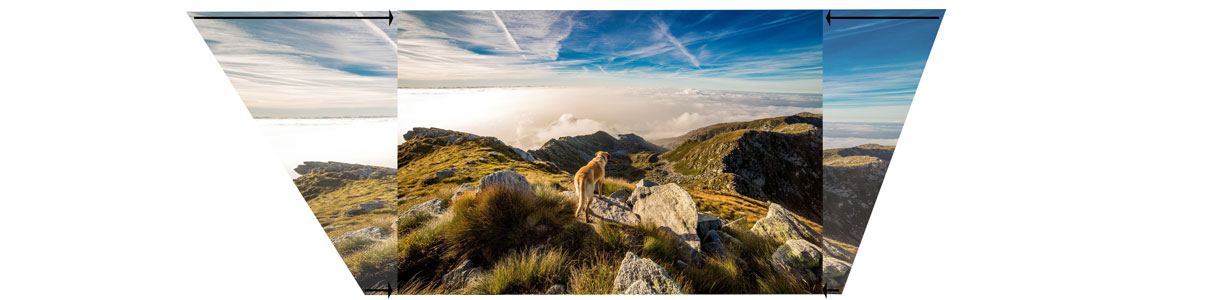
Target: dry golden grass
(595, 277)
(611, 184)
(850, 161)
(330, 207)
(526, 272)
(849, 247)
(729, 206)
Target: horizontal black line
(288, 17)
(882, 18)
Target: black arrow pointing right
(389, 17)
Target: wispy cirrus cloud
(306, 68)
(663, 30)
(771, 51)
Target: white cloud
(527, 117)
(841, 135)
(567, 125)
(834, 143)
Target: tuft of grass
(659, 245)
(718, 275)
(752, 245)
(683, 284)
(755, 250)
(411, 221)
(348, 246)
(548, 193)
(499, 220)
(611, 184)
(610, 236)
(595, 277)
(377, 263)
(784, 283)
(421, 287)
(525, 272)
(421, 252)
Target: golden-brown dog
(588, 180)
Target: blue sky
(872, 68)
(755, 51)
(306, 68)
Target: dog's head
(602, 155)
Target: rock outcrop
(368, 206)
(798, 257)
(708, 223)
(318, 178)
(433, 207)
(781, 225)
(508, 179)
(642, 276)
(463, 275)
(775, 160)
(343, 170)
(670, 208)
(713, 243)
(462, 190)
(621, 195)
(853, 179)
(769, 124)
(834, 272)
(371, 233)
(640, 191)
(607, 209)
(443, 137)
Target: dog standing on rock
(588, 181)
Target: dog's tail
(580, 191)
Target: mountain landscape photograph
(610, 152)
(321, 91)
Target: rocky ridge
(569, 153)
(853, 180)
(772, 160)
(321, 177)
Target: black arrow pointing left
(829, 17)
(389, 17)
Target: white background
(1053, 151)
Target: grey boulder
(621, 195)
(464, 275)
(465, 188)
(434, 207)
(798, 257)
(781, 225)
(641, 276)
(508, 179)
(707, 223)
(671, 209)
(607, 209)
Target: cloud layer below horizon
(528, 117)
(872, 70)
